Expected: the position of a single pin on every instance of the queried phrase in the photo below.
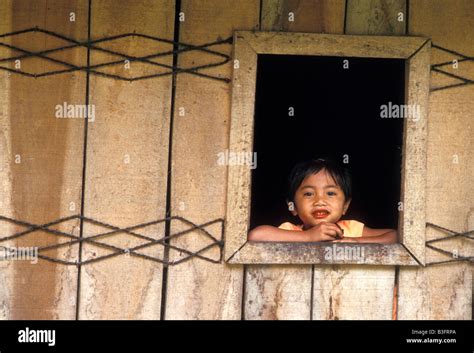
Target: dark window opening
(336, 113)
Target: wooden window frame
(410, 251)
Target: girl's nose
(318, 201)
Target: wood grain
(307, 253)
(412, 221)
(313, 16)
(42, 187)
(376, 17)
(240, 140)
(285, 43)
(127, 162)
(352, 292)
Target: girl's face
(318, 199)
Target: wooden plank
(47, 181)
(376, 17)
(127, 160)
(240, 140)
(470, 225)
(352, 292)
(412, 222)
(286, 290)
(198, 289)
(278, 292)
(6, 228)
(374, 286)
(284, 43)
(445, 291)
(307, 253)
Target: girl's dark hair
(339, 173)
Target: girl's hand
(324, 231)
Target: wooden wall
(117, 170)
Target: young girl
(319, 194)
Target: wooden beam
(285, 43)
(241, 139)
(412, 221)
(307, 253)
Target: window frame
(410, 251)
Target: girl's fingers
(335, 230)
(331, 232)
(327, 237)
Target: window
(405, 62)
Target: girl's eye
(307, 194)
(331, 193)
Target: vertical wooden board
(412, 221)
(127, 161)
(442, 292)
(352, 292)
(6, 267)
(278, 292)
(376, 17)
(198, 289)
(284, 292)
(47, 181)
(313, 16)
(470, 225)
(445, 291)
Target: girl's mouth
(320, 214)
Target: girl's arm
(270, 233)
(381, 236)
(321, 232)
